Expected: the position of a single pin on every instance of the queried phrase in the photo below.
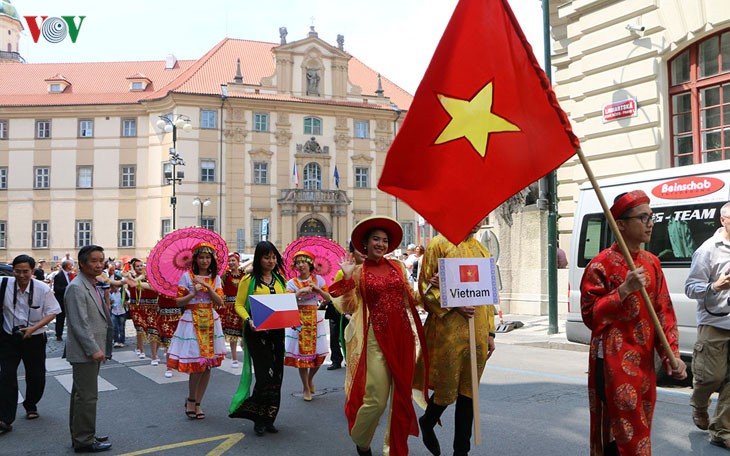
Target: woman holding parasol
(306, 346)
(381, 337)
(265, 349)
(198, 343)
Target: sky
(394, 37)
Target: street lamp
(198, 202)
(171, 123)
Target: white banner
(467, 282)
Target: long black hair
(264, 248)
(212, 269)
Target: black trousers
(60, 320)
(32, 352)
(335, 350)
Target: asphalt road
(533, 401)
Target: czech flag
(274, 311)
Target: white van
(686, 202)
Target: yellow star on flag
(473, 119)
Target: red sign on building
(620, 109)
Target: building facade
(646, 84)
(285, 140)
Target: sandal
(190, 413)
(201, 415)
(31, 415)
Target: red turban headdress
(631, 199)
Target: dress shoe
(332, 367)
(367, 452)
(95, 447)
(700, 418)
(59, 338)
(259, 429)
(101, 438)
(271, 429)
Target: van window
(678, 231)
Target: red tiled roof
(105, 83)
(93, 83)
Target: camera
(17, 331)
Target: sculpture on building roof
(282, 34)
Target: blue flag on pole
(337, 178)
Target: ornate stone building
(85, 157)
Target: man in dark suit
(60, 282)
(88, 344)
(38, 272)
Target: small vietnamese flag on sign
(483, 125)
(468, 273)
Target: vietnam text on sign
(620, 109)
(467, 282)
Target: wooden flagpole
(474, 382)
(625, 252)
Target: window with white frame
(3, 234)
(165, 227)
(40, 234)
(312, 126)
(84, 176)
(83, 233)
(137, 86)
(128, 176)
(42, 177)
(257, 231)
(126, 233)
(312, 176)
(3, 178)
(42, 129)
(362, 129)
(207, 171)
(3, 129)
(55, 88)
(408, 234)
(260, 121)
(208, 223)
(261, 173)
(129, 127)
(208, 119)
(240, 240)
(86, 128)
(362, 177)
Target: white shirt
(18, 313)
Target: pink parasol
(173, 255)
(327, 255)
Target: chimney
(170, 62)
(238, 78)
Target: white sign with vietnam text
(467, 282)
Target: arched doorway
(313, 227)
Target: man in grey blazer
(88, 344)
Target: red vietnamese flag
(483, 125)
(468, 273)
